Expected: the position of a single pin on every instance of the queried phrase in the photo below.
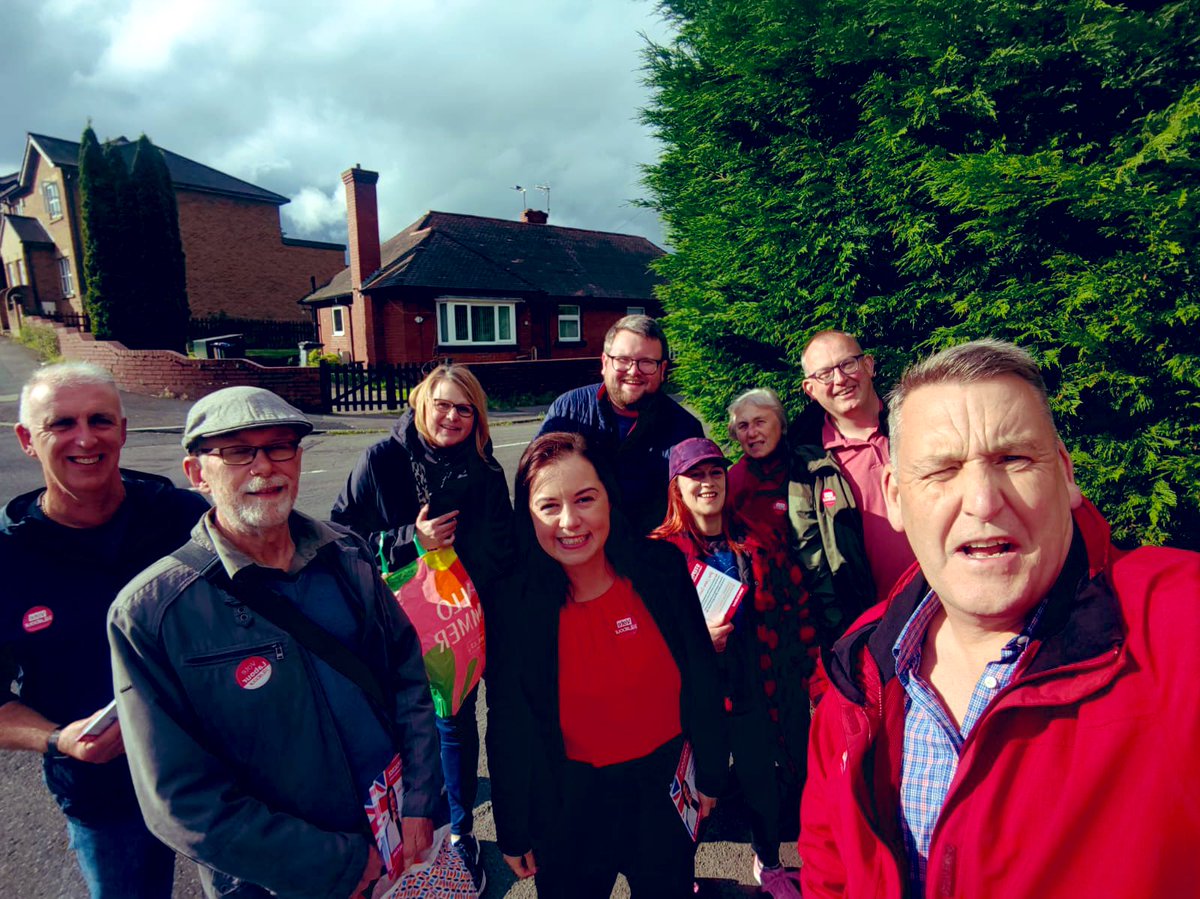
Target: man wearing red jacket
(1023, 717)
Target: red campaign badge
(626, 626)
(828, 497)
(780, 506)
(253, 673)
(37, 619)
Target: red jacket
(1079, 780)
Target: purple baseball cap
(691, 452)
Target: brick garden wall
(167, 373)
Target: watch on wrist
(52, 742)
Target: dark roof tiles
(185, 173)
(451, 251)
(29, 230)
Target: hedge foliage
(923, 173)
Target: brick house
(238, 262)
(478, 289)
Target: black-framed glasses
(444, 406)
(625, 363)
(244, 455)
(847, 366)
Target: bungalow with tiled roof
(238, 262)
(478, 289)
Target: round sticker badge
(828, 497)
(253, 673)
(37, 619)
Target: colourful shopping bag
(440, 600)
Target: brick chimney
(535, 216)
(362, 214)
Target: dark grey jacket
(254, 783)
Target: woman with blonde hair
(433, 482)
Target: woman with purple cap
(701, 524)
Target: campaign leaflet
(684, 793)
(383, 812)
(720, 595)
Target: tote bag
(437, 595)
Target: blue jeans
(460, 764)
(122, 859)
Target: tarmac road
(34, 859)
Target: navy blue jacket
(64, 669)
(640, 460)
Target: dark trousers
(619, 819)
(460, 763)
(752, 738)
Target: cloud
(452, 102)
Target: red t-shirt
(618, 684)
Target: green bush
(42, 340)
(925, 173)
(316, 357)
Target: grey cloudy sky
(451, 101)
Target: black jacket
(524, 736)
(65, 669)
(380, 502)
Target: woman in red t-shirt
(600, 671)
(700, 522)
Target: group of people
(941, 674)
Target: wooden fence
(363, 388)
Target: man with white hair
(65, 550)
(267, 677)
(1022, 718)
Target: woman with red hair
(700, 523)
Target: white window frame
(576, 318)
(66, 276)
(446, 307)
(337, 320)
(53, 197)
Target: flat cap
(238, 408)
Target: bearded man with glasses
(266, 677)
(840, 449)
(628, 418)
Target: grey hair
(764, 398)
(643, 326)
(967, 363)
(65, 374)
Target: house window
(53, 200)
(568, 323)
(22, 275)
(635, 310)
(65, 277)
(475, 322)
(339, 320)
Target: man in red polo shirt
(848, 423)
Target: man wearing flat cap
(266, 677)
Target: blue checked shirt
(931, 740)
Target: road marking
(508, 445)
(315, 471)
